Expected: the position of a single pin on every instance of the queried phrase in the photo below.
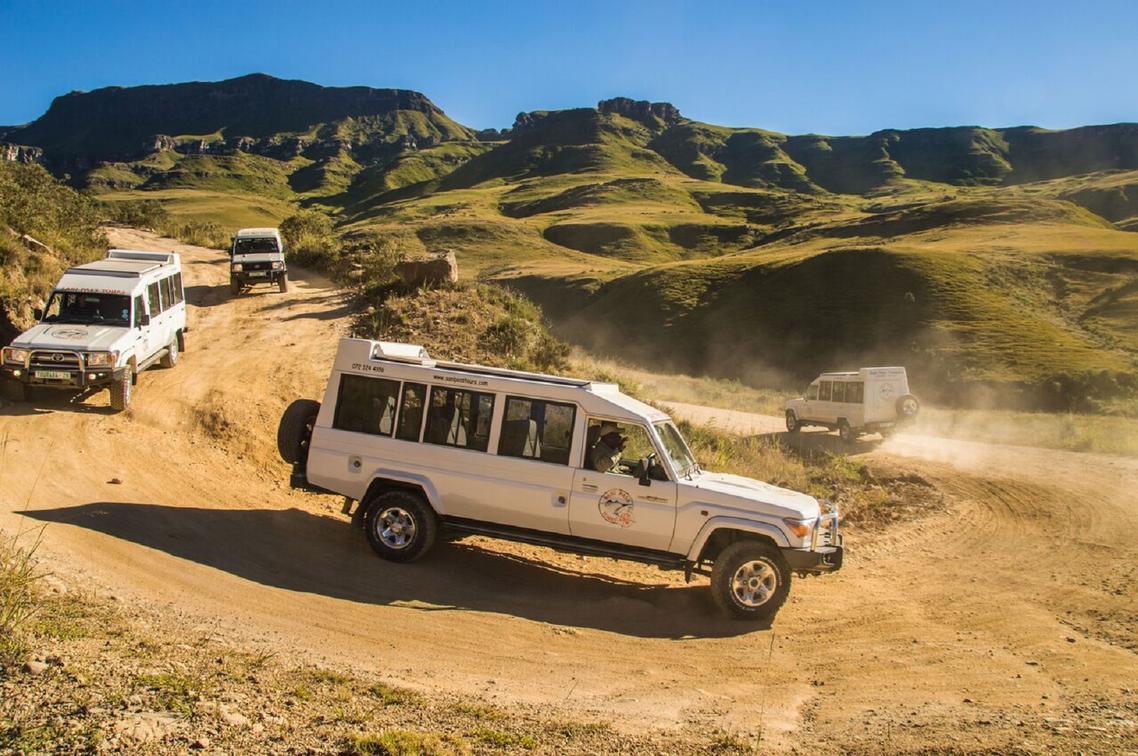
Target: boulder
(440, 269)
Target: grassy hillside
(998, 264)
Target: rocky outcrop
(417, 273)
(161, 143)
(20, 153)
(653, 114)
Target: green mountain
(995, 263)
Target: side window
(167, 285)
(459, 418)
(839, 394)
(537, 429)
(812, 392)
(411, 412)
(139, 311)
(855, 392)
(155, 301)
(614, 447)
(179, 295)
(824, 391)
(366, 405)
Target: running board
(558, 542)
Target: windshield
(264, 245)
(677, 448)
(87, 308)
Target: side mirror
(642, 472)
(145, 321)
(37, 313)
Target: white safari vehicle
(424, 445)
(871, 400)
(104, 323)
(257, 257)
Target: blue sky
(827, 67)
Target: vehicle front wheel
(282, 283)
(121, 392)
(750, 580)
(234, 286)
(15, 391)
(170, 359)
(846, 432)
(401, 527)
(792, 425)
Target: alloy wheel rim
(395, 527)
(754, 583)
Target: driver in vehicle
(605, 454)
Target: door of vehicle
(824, 411)
(142, 347)
(615, 506)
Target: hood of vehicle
(749, 495)
(259, 257)
(79, 338)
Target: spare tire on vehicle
(908, 407)
(295, 430)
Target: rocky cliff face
(20, 153)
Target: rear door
(158, 335)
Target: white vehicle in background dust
(574, 465)
(869, 400)
(257, 257)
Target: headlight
(237, 268)
(277, 266)
(102, 359)
(14, 355)
(800, 528)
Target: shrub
(18, 600)
(310, 239)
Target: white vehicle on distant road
(423, 445)
(870, 400)
(257, 257)
(105, 322)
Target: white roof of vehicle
(257, 232)
(120, 272)
(354, 355)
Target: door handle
(588, 487)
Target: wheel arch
(720, 532)
(383, 481)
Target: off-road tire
(282, 283)
(15, 391)
(731, 561)
(295, 430)
(409, 506)
(122, 391)
(792, 424)
(170, 359)
(234, 286)
(846, 432)
(908, 407)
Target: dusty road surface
(1007, 621)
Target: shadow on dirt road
(299, 551)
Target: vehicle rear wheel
(846, 432)
(908, 407)
(295, 430)
(792, 425)
(401, 527)
(122, 391)
(750, 580)
(282, 283)
(234, 286)
(170, 359)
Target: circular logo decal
(887, 390)
(57, 357)
(615, 507)
(68, 333)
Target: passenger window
(614, 447)
(812, 392)
(824, 391)
(155, 302)
(459, 418)
(411, 412)
(167, 292)
(537, 429)
(839, 394)
(139, 311)
(855, 392)
(366, 405)
(179, 295)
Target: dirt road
(1007, 621)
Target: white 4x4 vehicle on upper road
(569, 464)
(104, 323)
(872, 400)
(257, 257)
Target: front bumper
(825, 553)
(251, 277)
(70, 378)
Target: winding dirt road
(1007, 621)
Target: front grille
(258, 266)
(55, 361)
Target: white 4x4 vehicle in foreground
(872, 400)
(104, 323)
(574, 465)
(257, 257)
